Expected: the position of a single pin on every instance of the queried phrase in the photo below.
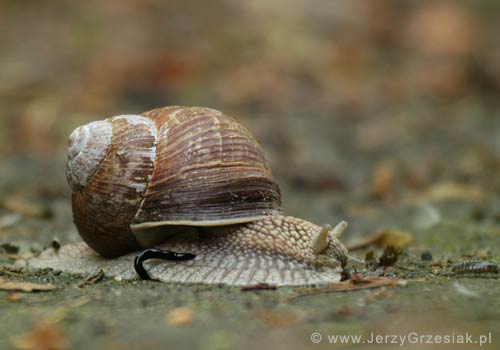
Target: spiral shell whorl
(172, 166)
(88, 146)
(107, 201)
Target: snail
(140, 180)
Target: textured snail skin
(248, 254)
(282, 237)
(289, 237)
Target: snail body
(139, 180)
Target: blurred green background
(372, 99)
(375, 99)
(65, 63)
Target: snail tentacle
(355, 260)
(339, 229)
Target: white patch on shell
(150, 153)
(133, 119)
(88, 145)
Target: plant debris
(426, 256)
(389, 256)
(451, 191)
(92, 279)
(357, 282)
(395, 238)
(43, 336)
(371, 261)
(260, 286)
(383, 181)
(27, 206)
(15, 297)
(9, 248)
(379, 294)
(279, 319)
(180, 317)
(441, 262)
(25, 286)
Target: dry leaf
(383, 180)
(43, 336)
(27, 206)
(277, 319)
(435, 27)
(395, 238)
(379, 294)
(25, 286)
(15, 297)
(449, 191)
(180, 317)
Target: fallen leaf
(357, 278)
(26, 206)
(278, 319)
(434, 27)
(450, 191)
(15, 297)
(380, 294)
(397, 239)
(43, 336)
(25, 286)
(180, 317)
(383, 181)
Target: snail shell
(171, 167)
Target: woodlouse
(476, 266)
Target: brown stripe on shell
(209, 168)
(104, 209)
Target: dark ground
(369, 113)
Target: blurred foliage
(65, 63)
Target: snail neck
(149, 234)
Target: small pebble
(55, 244)
(426, 256)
